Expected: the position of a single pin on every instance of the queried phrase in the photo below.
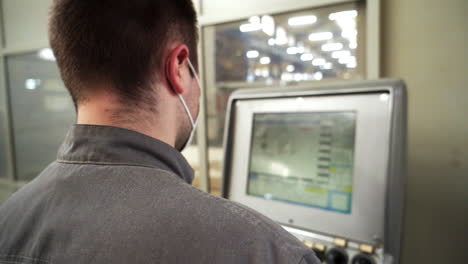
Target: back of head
(118, 44)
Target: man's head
(134, 50)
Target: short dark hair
(118, 42)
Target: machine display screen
(304, 158)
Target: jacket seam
(18, 259)
(97, 163)
(104, 163)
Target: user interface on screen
(304, 158)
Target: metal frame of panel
(396, 163)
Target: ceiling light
(318, 76)
(298, 77)
(254, 20)
(347, 60)
(319, 62)
(349, 34)
(265, 60)
(46, 54)
(32, 84)
(281, 36)
(352, 64)
(290, 68)
(291, 50)
(250, 27)
(353, 45)
(271, 42)
(295, 50)
(307, 57)
(327, 66)
(343, 15)
(341, 54)
(332, 46)
(252, 54)
(320, 36)
(302, 20)
(268, 25)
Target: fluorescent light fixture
(250, 27)
(295, 50)
(328, 66)
(291, 50)
(352, 64)
(318, 76)
(307, 57)
(291, 41)
(353, 45)
(320, 36)
(281, 36)
(32, 84)
(46, 54)
(343, 15)
(265, 60)
(332, 46)
(290, 68)
(319, 62)
(349, 34)
(252, 54)
(268, 25)
(341, 54)
(271, 42)
(347, 60)
(298, 77)
(302, 20)
(255, 20)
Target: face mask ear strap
(193, 71)
(186, 110)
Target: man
(119, 191)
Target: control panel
(338, 250)
(325, 162)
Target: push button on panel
(319, 250)
(309, 244)
(336, 256)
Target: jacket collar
(118, 146)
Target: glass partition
(41, 110)
(278, 50)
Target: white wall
(25, 23)
(425, 43)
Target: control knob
(363, 259)
(336, 256)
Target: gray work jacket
(117, 196)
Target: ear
(175, 67)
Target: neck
(106, 111)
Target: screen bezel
(366, 221)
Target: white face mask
(187, 110)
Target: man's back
(116, 196)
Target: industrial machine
(326, 162)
